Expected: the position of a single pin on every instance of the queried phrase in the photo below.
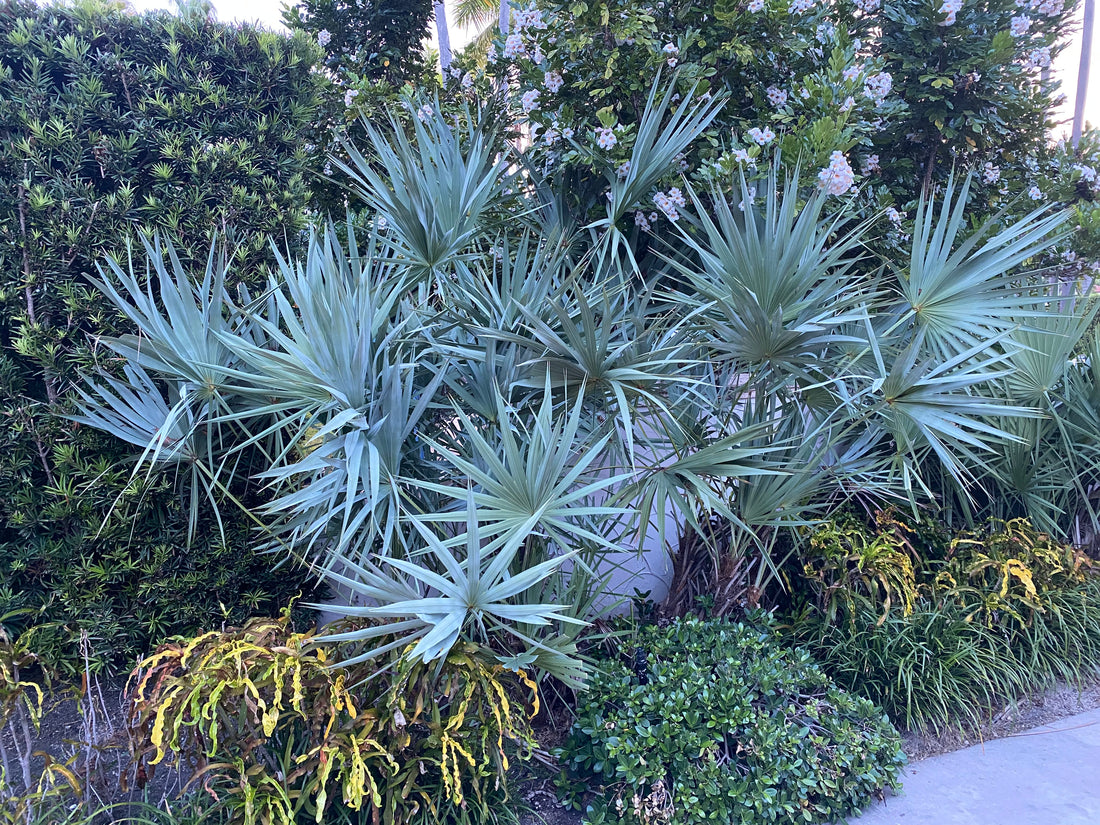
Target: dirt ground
(1041, 709)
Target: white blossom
(836, 178)
(349, 97)
(1019, 25)
(776, 97)
(761, 136)
(670, 203)
(990, 173)
(825, 32)
(950, 8)
(742, 156)
(801, 6)
(878, 86)
(1038, 58)
(894, 216)
(514, 46)
(553, 81)
(324, 37)
(529, 100)
(756, 6)
(1035, 193)
(605, 138)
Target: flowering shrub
(971, 74)
(879, 99)
(813, 92)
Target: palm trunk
(444, 35)
(1083, 71)
(505, 11)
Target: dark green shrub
(111, 124)
(719, 723)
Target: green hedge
(112, 125)
(712, 722)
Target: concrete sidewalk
(1046, 776)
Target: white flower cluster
(852, 72)
(514, 46)
(424, 113)
(1047, 7)
(349, 97)
(743, 156)
(894, 216)
(836, 178)
(669, 202)
(530, 18)
(644, 222)
(1019, 25)
(990, 173)
(877, 87)
(869, 165)
(605, 138)
(623, 170)
(848, 103)
(801, 6)
(529, 100)
(673, 52)
(867, 6)
(776, 97)
(950, 8)
(825, 32)
(761, 136)
(1035, 193)
(1038, 58)
(324, 37)
(468, 80)
(752, 195)
(756, 6)
(553, 81)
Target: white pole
(444, 37)
(1083, 71)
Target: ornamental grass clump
(1003, 612)
(716, 722)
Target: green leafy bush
(265, 721)
(113, 124)
(718, 722)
